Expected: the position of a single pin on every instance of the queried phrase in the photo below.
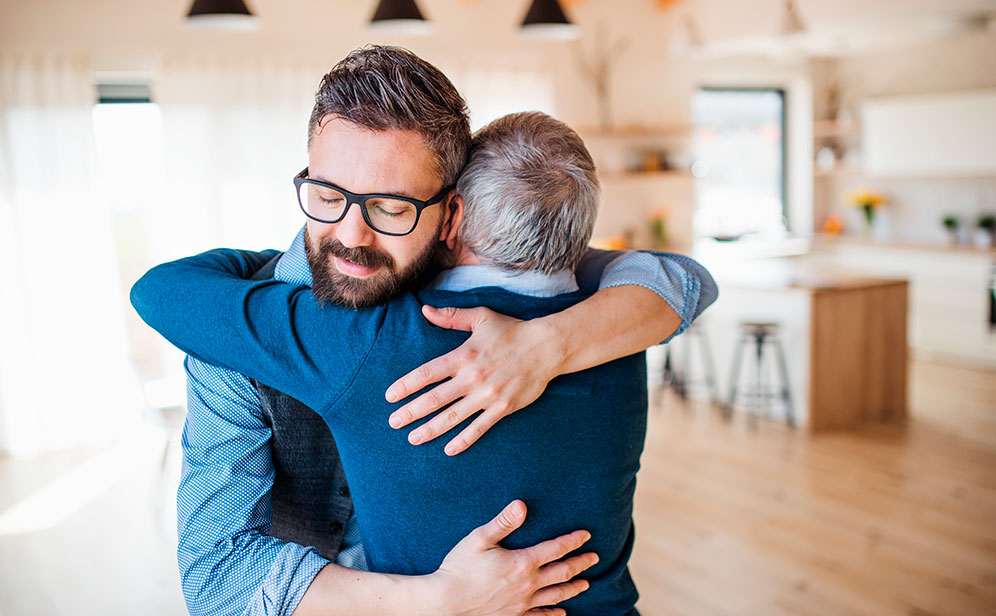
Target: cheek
(402, 249)
(318, 230)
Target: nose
(352, 230)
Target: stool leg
(667, 377)
(786, 397)
(758, 385)
(710, 369)
(734, 376)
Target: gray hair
(530, 194)
(382, 88)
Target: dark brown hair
(381, 88)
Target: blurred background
(822, 442)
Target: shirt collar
(293, 265)
(522, 282)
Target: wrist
(557, 342)
(433, 594)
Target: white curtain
(235, 134)
(64, 375)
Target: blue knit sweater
(572, 455)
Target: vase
(869, 228)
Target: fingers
(510, 518)
(444, 422)
(556, 594)
(562, 571)
(554, 549)
(546, 611)
(421, 377)
(429, 402)
(463, 319)
(469, 435)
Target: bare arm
(477, 578)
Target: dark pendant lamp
(546, 19)
(221, 15)
(400, 16)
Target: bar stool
(761, 334)
(679, 380)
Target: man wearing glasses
(388, 133)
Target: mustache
(360, 255)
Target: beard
(332, 286)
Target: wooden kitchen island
(844, 336)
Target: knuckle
(522, 567)
(452, 416)
(477, 430)
(488, 390)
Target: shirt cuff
(671, 282)
(292, 572)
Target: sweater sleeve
(271, 331)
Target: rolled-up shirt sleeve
(228, 564)
(682, 282)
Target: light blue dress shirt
(228, 564)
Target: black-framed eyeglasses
(387, 214)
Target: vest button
(344, 491)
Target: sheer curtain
(64, 375)
(235, 134)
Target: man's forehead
(364, 160)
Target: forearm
(613, 323)
(339, 591)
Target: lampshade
(400, 16)
(546, 19)
(221, 14)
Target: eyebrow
(395, 194)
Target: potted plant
(951, 224)
(985, 233)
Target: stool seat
(759, 328)
(761, 334)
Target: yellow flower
(866, 198)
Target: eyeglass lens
(386, 215)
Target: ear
(451, 226)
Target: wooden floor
(892, 520)
(768, 521)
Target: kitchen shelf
(677, 131)
(669, 174)
(839, 171)
(828, 129)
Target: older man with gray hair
(524, 213)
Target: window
(739, 162)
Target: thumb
(463, 319)
(510, 518)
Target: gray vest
(310, 499)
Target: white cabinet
(945, 135)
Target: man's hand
(479, 578)
(504, 366)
